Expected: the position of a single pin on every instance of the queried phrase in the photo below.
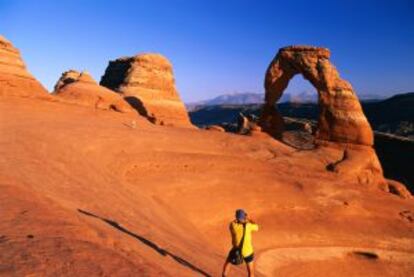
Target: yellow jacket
(236, 230)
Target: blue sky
(216, 47)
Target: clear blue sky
(218, 46)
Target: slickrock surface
(15, 79)
(84, 194)
(341, 118)
(80, 88)
(147, 82)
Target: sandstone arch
(341, 118)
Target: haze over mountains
(246, 98)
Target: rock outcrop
(216, 128)
(68, 77)
(147, 82)
(247, 125)
(81, 88)
(341, 118)
(15, 79)
(342, 124)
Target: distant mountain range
(229, 99)
(248, 98)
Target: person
(237, 229)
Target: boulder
(80, 88)
(216, 128)
(15, 79)
(398, 189)
(147, 82)
(247, 125)
(243, 124)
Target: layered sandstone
(147, 82)
(341, 124)
(80, 88)
(15, 79)
(341, 118)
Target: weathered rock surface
(397, 188)
(216, 128)
(247, 125)
(341, 118)
(342, 124)
(15, 79)
(82, 89)
(147, 82)
(67, 77)
(81, 194)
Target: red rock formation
(341, 118)
(342, 124)
(14, 77)
(67, 77)
(247, 125)
(216, 128)
(397, 188)
(147, 82)
(81, 194)
(81, 88)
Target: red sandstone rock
(147, 81)
(14, 77)
(398, 189)
(217, 128)
(68, 77)
(247, 125)
(82, 89)
(342, 123)
(341, 118)
(159, 185)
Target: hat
(240, 214)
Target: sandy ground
(98, 193)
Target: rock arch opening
(298, 106)
(299, 90)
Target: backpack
(235, 255)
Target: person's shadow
(148, 243)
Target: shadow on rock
(148, 243)
(137, 105)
